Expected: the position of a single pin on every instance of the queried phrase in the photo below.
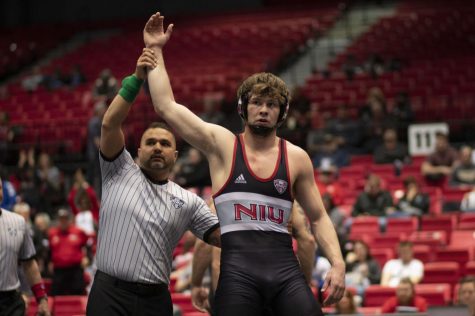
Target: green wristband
(130, 88)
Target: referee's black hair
(160, 125)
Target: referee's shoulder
(12, 216)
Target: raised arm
(208, 138)
(306, 193)
(112, 136)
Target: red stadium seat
(69, 305)
(441, 272)
(423, 253)
(364, 225)
(470, 268)
(382, 255)
(376, 295)
(466, 221)
(387, 240)
(32, 307)
(433, 239)
(183, 301)
(441, 222)
(402, 225)
(435, 294)
(456, 254)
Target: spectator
(463, 175)
(50, 183)
(84, 218)
(9, 194)
(327, 184)
(7, 137)
(402, 113)
(373, 200)
(40, 239)
(105, 87)
(413, 202)
(391, 151)
(75, 77)
(346, 130)
(375, 66)
(351, 67)
(330, 154)
(468, 201)
(346, 306)
(29, 190)
(406, 300)
(467, 293)
(31, 82)
(55, 80)
(93, 138)
(80, 184)
(405, 266)
(67, 243)
(440, 163)
(375, 122)
(361, 269)
(193, 171)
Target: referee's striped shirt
(15, 244)
(141, 222)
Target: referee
(16, 245)
(143, 215)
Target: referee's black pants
(110, 296)
(11, 304)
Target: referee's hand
(199, 298)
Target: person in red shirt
(79, 185)
(68, 255)
(327, 185)
(405, 300)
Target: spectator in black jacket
(373, 200)
(413, 202)
(391, 151)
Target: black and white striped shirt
(15, 244)
(141, 222)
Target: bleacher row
(222, 51)
(438, 69)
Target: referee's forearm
(201, 261)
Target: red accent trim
(230, 172)
(288, 170)
(277, 164)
